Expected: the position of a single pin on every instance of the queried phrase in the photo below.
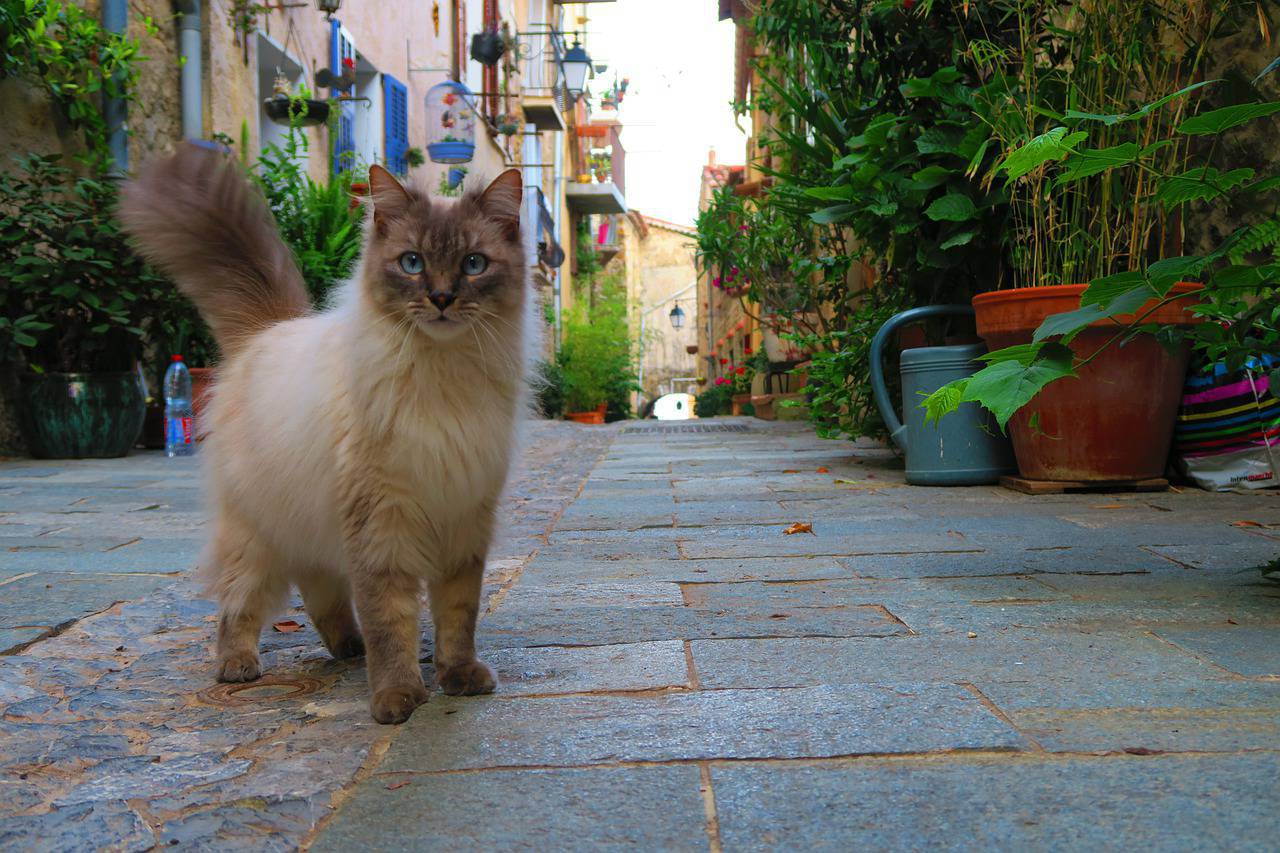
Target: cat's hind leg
(250, 588)
(455, 605)
(327, 597)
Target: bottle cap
(177, 358)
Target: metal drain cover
(266, 689)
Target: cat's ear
(390, 198)
(501, 201)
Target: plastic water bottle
(179, 432)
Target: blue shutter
(344, 143)
(395, 111)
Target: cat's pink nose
(442, 299)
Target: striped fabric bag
(1228, 430)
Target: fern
(1261, 237)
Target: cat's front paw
(468, 679)
(239, 667)
(393, 705)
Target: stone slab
(1249, 651)
(1044, 657)
(453, 734)
(48, 600)
(546, 568)
(1161, 803)
(644, 808)
(633, 666)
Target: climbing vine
(64, 50)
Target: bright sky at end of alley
(680, 62)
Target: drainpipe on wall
(189, 49)
(115, 19)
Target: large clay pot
(1115, 421)
(81, 415)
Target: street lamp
(677, 317)
(576, 65)
(328, 7)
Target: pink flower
(720, 380)
(733, 270)
(716, 281)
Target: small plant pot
(692, 349)
(739, 401)
(303, 112)
(1115, 420)
(593, 417)
(81, 415)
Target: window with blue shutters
(395, 111)
(341, 49)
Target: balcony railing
(540, 54)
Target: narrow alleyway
(927, 667)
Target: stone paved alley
(931, 667)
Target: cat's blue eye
(474, 264)
(412, 263)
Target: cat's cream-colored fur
(357, 453)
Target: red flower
(747, 350)
(908, 4)
(740, 371)
(724, 361)
(348, 62)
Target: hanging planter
(488, 47)
(451, 123)
(296, 112)
(508, 125)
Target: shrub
(716, 400)
(596, 359)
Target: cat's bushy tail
(196, 216)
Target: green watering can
(965, 448)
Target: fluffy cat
(357, 453)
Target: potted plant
(596, 359)
(77, 308)
(507, 124)
(1104, 176)
(297, 109)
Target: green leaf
(1106, 118)
(941, 140)
(1070, 323)
(1102, 290)
(1200, 184)
(883, 206)
(954, 207)
(1006, 386)
(843, 193)
(961, 238)
(1155, 105)
(835, 213)
(1091, 161)
(1216, 121)
(932, 176)
(1164, 274)
(1051, 145)
(23, 339)
(943, 401)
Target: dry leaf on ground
(824, 470)
(1247, 524)
(799, 527)
(791, 470)
(287, 626)
(395, 785)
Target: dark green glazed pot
(81, 415)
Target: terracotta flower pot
(593, 417)
(1115, 421)
(738, 401)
